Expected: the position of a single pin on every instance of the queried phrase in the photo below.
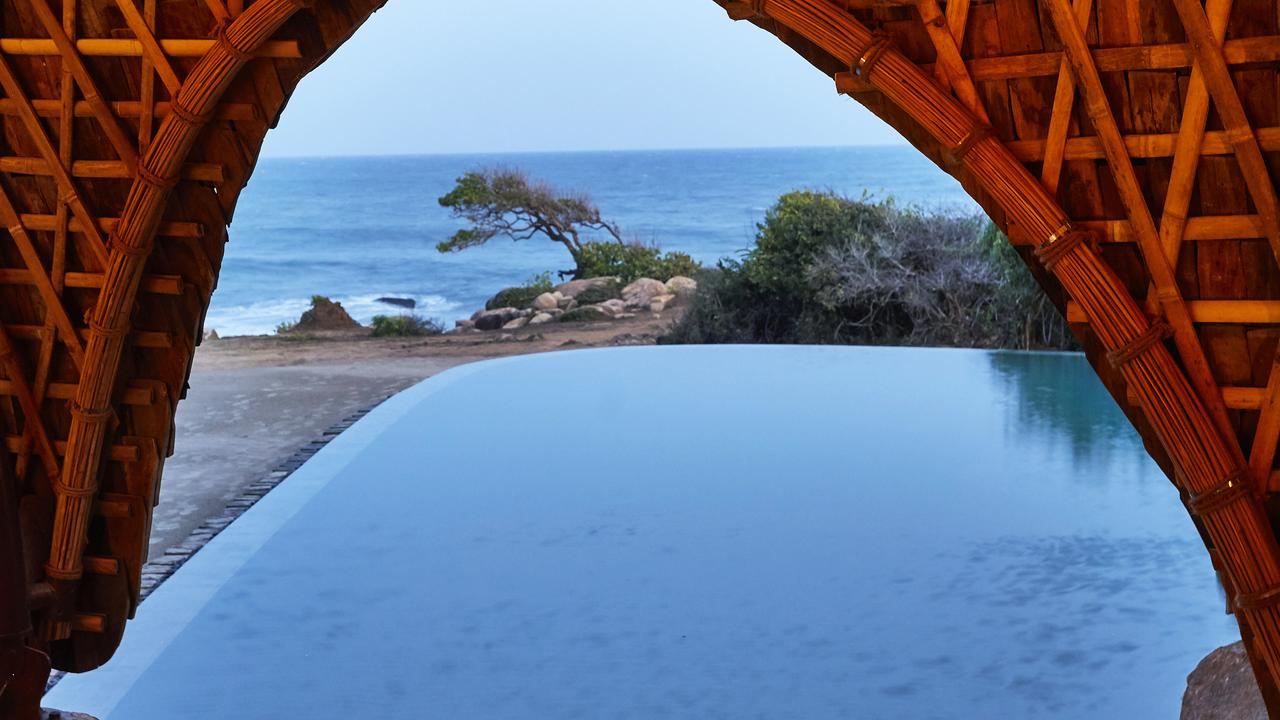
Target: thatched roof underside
(1128, 150)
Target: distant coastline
(358, 228)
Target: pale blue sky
(429, 76)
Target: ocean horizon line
(587, 151)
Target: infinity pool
(697, 532)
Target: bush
(521, 296)
(584, 314)
(407, 325)
(611, 290)
(827, 269)
(629, 261)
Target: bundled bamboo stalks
(131, 244)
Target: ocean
(360, 228)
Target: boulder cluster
(590, 300)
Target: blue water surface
(360, 228)
(697, 532)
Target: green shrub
(521, 296)
(407, 325)
(584, 314)
(286, 327)
(827, 269)
(600, 293)
(629, 261)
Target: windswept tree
(507, 203)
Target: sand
(254, 401)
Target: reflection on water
(700, 532)
(1057, 398)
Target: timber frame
(1127, 149)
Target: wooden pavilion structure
(1129, 149)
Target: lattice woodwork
(1126, 148)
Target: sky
(428, 76)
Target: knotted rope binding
(187, 116)
(220, 35)
(973, 137)
(1258, 600)
(863, 66)
(1158, 332)
(146, 175)
(741, 10)
(1060, 244)
(1231, 489)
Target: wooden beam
(174, 48)
(1141, 145)
(1122, 59)
(151, 284)
(104, 169)
(949, 58)
(48, 223)
(1064, 97)
(1167, 294)
(34, 421)
(124, 147)
(1230, 312)
(135, 395)
(52, 160)
(1189, 145)
(131, 109)
(1198, 229)
(151, 50)
(56, 314)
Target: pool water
(698, 532)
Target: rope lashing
(1258, 600)
(1230, 490)
(1060, 244)
(973, 137)
(1156, 333)
(148, 176)
(220, 36)
(742, 10)
(187, 116)
(866, 62)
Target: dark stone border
(157, 570)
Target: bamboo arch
(1076, 183)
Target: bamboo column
(131, 242)
(1212, 475)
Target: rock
(613, 307)
(399, 302)
(494, 319)
(573, 288)
(516, 324)
(325, 315)
(641, 292)
(586, 313)
(541, 318)
(210, 335)
(547, 301)
(682, 287)
(464, 324)
(661, 303)
(1222, 687)
(568, 304)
